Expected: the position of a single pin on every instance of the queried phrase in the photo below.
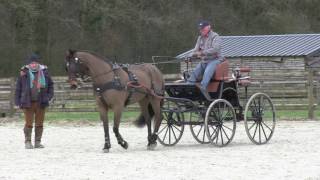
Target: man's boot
(27, 134)
(37, 138)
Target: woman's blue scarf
(41, 81)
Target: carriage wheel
(172, 125)
(259, 118)
(198, 128)
(220, 122)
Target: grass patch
(131, 115)
(295, 115)
(88, 116)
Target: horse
(115, 87)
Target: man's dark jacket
(23, 90)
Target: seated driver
(208, 49)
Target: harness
(131, 86)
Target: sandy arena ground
(75, 152)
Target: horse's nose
(73, 86)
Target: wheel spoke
(170, 134)
(225, 134)
(176, 128)
(264, 104)
(227, 127)
(162, 129)
(166, 114)
(264, 132)
(199, 130)
(255, 131)
(259, 133)
(221, 136)
(214, 132)
(219, 113)
(174, 134)
(215, 116)
(204, 134)
(226, 115)
(267, 126)
(165, 134)
(251, 126)
(222, 111)
(259, 105)
(217, 135)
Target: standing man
(208, 49)
(34, 90)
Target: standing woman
(34, 90)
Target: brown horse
(115, 87)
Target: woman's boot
(37, 138)
(27, 134)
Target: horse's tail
(157, 84)
(141, 120)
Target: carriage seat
(221, 74)
(222, 71)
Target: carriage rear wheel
(259, 118)
(197, 127)
(172, 125)
(220, 122)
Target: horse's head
(75, 68)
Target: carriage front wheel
(259, 118)
(197, 127)
(172, 125)
(220, 122)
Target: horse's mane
(97, 56)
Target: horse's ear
(70, 52)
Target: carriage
(213, 119)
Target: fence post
(11, 103)
(310, 94)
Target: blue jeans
(206, 69)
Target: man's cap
(203, 24)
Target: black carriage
(213, 120)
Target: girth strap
(115, 84)
(134, 81)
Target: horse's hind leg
(144, 105)
(117, 116)
(157, 121)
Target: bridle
(76, 70)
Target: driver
(208, 49)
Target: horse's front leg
(117, 117)
(104, 118)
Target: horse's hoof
(105, 150)
(124, 144)
(152, 147)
